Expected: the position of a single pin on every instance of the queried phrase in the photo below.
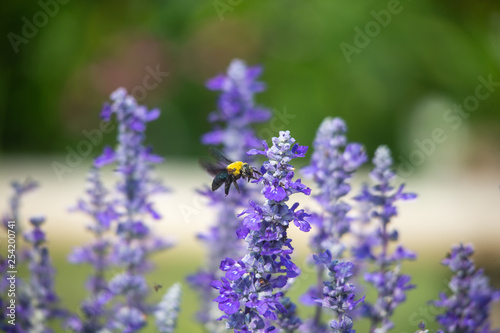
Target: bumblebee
(226, 171)
(264, 283)
(157, 287)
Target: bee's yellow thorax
(235, 168)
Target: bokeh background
(395, 90)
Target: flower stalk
(333, 164)
(135, 187)
(232, 129)
(391, 285)
(251, 293)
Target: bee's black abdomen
(219, 179)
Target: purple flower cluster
(24, 306)
(467, 308)
(247, 291)
(136, 241)
(333, 163)
(97, 254)
(43, 301)
(390, 283)
(134, 161)
(338, 294)
(232, 121)
(236, 109)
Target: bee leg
(228, 185)
(236, 185)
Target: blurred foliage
(54, 86)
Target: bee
(226, 171)
(157, 287)
(264, 283)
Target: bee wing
(219, 156)
(211, 167)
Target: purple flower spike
(338, 293)
(251, 294)
(40, 289)
(233, 130)
(98, 208)
(125, 211)
(468, 307)
(236, 109)
(38, 259)
(333, 164)
(373, 239)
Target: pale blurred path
(463, 207)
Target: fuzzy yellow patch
(235, 168)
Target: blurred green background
(56, 75)
(53, 87)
